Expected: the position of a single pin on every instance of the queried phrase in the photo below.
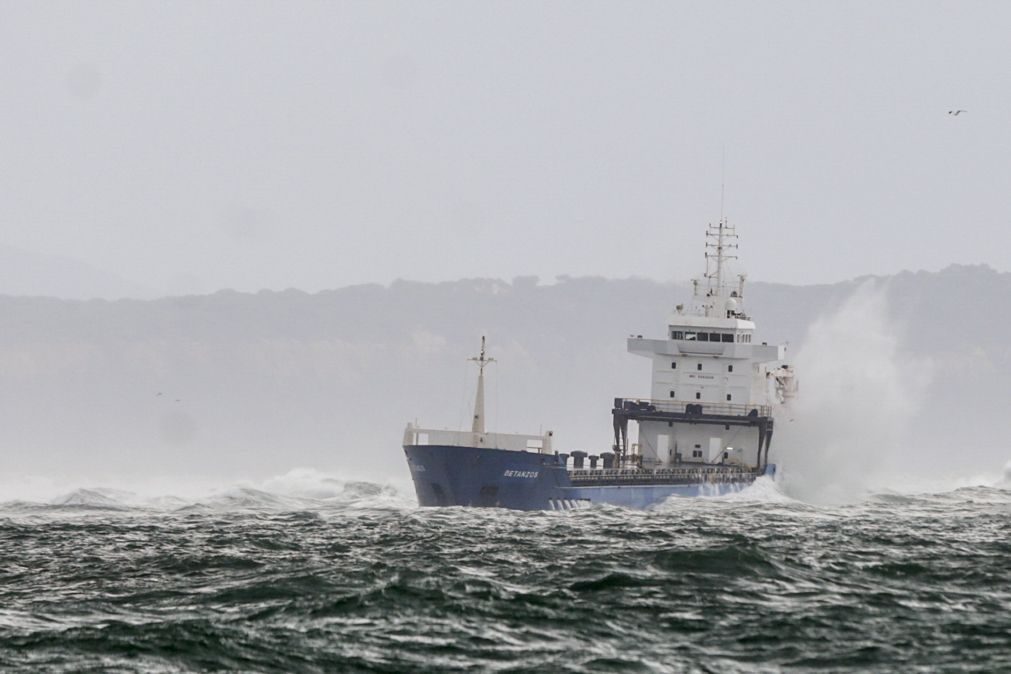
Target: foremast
(477, 426)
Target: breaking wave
(308, 489)
(299, 489)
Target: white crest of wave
(1005, 482)
(93, 498)
(314, 485)
(300, 488)
(763, 490)
(858, 398)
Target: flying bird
(956, 113)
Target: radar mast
(721, 246)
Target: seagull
(157, 394)
(956, 113)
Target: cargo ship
(705, 429)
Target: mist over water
(849, 433)
(848, 561)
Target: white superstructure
(714, 389)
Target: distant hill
(236, 383)
(28, 273)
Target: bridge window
(702, 337)
(698, 395)
(674, 365)
(698, 366)
(689, 336)
(672, 394)
(677, 334)
(727, 337)
(714, 336)
(730, 368)
(729, 397)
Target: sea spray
(859, 394)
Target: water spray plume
(859, 395)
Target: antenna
(723, 179)
(720, 238)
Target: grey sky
(194, 146)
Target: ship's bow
(446, 475)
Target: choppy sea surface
(353, 576)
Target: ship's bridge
(688, 328)
(713, 388)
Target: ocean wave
(89, 498)
(248, 498)
(299, 489)
(310, 489)
(314, 572)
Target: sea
(351, 576)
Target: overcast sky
(187, 147)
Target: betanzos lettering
(522, 473)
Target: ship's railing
(712, 474)
(660, 472)
(690, 407)
(516, 442)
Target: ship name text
(522, 473)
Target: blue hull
(480, 477)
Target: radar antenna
(723, 179)
(720, 238)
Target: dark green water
(363, 581)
